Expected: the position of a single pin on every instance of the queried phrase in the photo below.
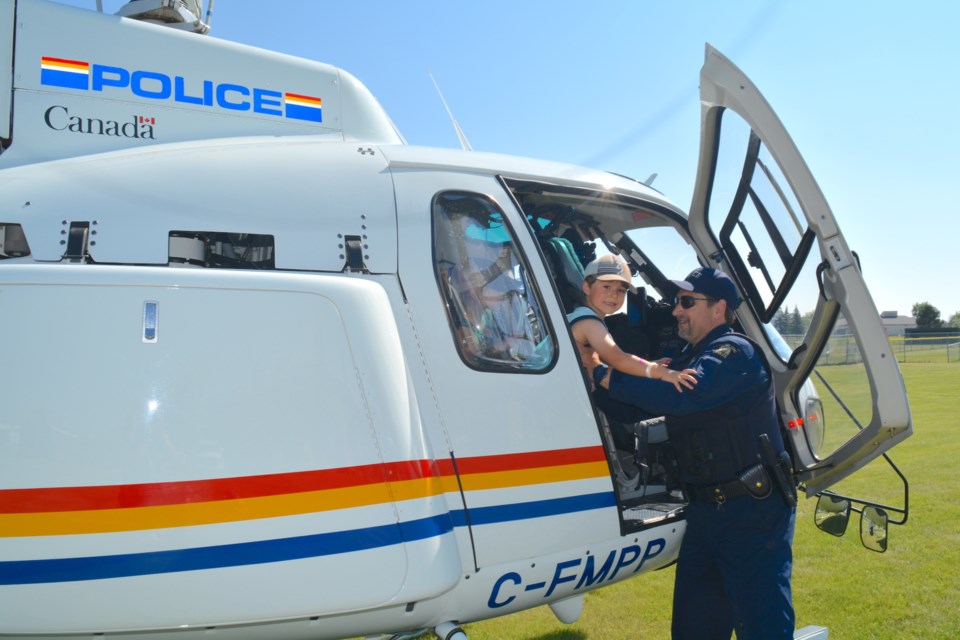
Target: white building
(895, 324)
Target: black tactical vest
(713, 446)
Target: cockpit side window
(495, 311)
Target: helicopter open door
(496, 351)
(758, 213)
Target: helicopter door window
(495, 311)
(764, 232)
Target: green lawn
(910, 592)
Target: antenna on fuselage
(464, 143)
(209, 17)
(649, 181)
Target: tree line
(928, 317)
(792, 323)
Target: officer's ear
(720, 310)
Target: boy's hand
(680, 379)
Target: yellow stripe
(304, 103)
(64, 66)
(203, 513)
(413, 489)
(542, 475)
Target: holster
(756, 481)
(782, 470)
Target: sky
(867, 90)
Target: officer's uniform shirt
(726, 370)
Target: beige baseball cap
(610, 267)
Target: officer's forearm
(650, 395)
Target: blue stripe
(536, 509)
(298, 112)
(66, 79)
(229, 555)
(284, 549)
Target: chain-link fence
(843, 349)
(953, 352)
(931, 347)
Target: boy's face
(605, 296)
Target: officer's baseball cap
(713, 283)
(610, 267)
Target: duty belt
(753, 481)
(716, 493)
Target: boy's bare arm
(595, 332)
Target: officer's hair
(729, 317)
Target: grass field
(912, 592)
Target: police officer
(733, 571)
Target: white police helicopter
(269, 371)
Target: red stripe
(49, 59)
(167, 493)
(303, 97)
(532, 460)
(444, 467)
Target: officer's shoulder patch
(725, 350)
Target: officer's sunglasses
(687, 302)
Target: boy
(605, 284)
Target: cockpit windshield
(575, 225)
